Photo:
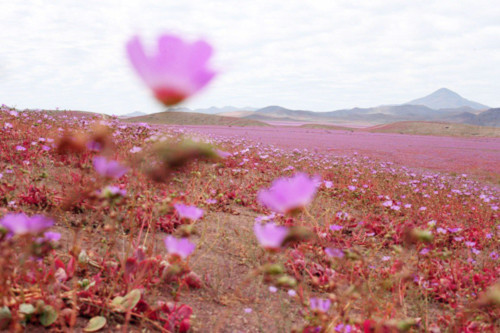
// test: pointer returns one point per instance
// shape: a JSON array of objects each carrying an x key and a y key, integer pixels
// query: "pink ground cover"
[{"x": 476, "y": 155}]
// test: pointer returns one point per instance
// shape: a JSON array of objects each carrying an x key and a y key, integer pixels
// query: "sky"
[{"x": 309, "y": 55}]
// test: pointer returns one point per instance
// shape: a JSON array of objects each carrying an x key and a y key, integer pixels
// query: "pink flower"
[
  {"x": 192, "y": 213},
  {"x": 270, "y": 235},
  {"x": 111, "y": 169},
  {"x": 319, "y": 304},
  {"x": 287, "y": 194},
  {"x": 336, "y": 227},
  {"x": 335, "y": 253},
  {"x": 20, "y": 224},
  {"x": 176, "y": 70},
  {"x": 181, "y": 247}
]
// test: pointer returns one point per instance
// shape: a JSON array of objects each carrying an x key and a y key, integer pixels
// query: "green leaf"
[
  {"x": 127, "y": 302},
  {"x": 27, "y": 309},
  {"x": 95, "y": 324},
  {"x": 5, "y": 317},
  {"x": 48, "y": 316}
]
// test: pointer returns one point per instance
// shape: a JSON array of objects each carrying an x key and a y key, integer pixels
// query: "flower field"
[{"x": 110, "y": 226}]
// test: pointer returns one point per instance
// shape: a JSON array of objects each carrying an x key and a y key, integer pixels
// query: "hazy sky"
[{"x": 314, "y": 55}]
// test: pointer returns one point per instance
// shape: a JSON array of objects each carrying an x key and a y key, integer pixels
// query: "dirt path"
[{"x": 227, "y": 253}]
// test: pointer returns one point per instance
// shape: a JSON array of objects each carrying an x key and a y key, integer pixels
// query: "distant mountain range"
[
  {"x": 442, "y": 105},
  {"x": 133, "y": 114},
  {"x": 210, "y": 110}
]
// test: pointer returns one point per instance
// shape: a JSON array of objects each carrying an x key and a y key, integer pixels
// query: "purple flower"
[
  {"x": 49, "y": 236},
  {"x": 111, "y": 169},
  {"x": 424, "y": 251},
  {"x": 113, "y": 191},
  {"x": 223, "y": 154},
  {"x": 192, "y": 213},
  {"x": 336, "y": 227},
  {"x": 387, "y": 203},
  {"x": 328, "y": 184},
  {"x": 20, "y": 148},
  {"x": 319, "y": 304},
  {"x": 494, "y": 255},
  {"x": 287, "y": 194},
  {"x": 52, "y": 236},
  {"x": 135, "y": 149},
  {"x": 270, "y": 235},
  {"x": 441, "y": 230},
  {"x": 470, "y": 244},
  {"x": 177, "y": 70},
  {"x": 181, "y": 247},
  {"x": 20, "y": 224},
  {"x": 341, "y": 328},
  {"x": 336, "y": 253},
  {"x": 273, "y": 289}
]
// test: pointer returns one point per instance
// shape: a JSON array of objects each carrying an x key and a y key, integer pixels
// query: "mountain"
[
  {"x": 441, "y": 105},
  {"x": 225, "y": 109},
  {"x": 377, "y": 115},
  {"x": 133, "y": 114},
  {"x": 280, "y": 112},
  {"x": 446, "y": 99}
]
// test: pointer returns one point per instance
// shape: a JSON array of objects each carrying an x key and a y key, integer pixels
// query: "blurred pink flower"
[
  {"x": 111, "y": 169},
  {"x": 319, "y": 304},
  {"x": 181, "y": 247},
  {"x": 270, "y": 235},
  {"x": 177, "y": 69},
  {"x": 287, "y": 194},
  {"x": 20, "y": 224},
  {"x": 335, "y": 253},
  {"x": 335, "y": 227},
  {"x": 192, "y": 213}
]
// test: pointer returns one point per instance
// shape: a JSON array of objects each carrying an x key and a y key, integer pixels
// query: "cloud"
[{"x": 319, "y": 55}]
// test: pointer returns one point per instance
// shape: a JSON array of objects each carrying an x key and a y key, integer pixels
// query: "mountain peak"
[
  {"x": 444, "y": 90},
  {"x": 445, "y": 98}
]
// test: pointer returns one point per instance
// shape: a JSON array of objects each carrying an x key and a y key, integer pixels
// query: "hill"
[
  {"x": 328, "y": 127},
  {"x": 490, "y": 117},
  {"x": 191, "y": 118},
  {"x": 436, "y": 128}
]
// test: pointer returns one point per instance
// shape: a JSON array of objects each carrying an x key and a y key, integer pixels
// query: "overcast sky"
[{"x": 312, "y": 55}]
